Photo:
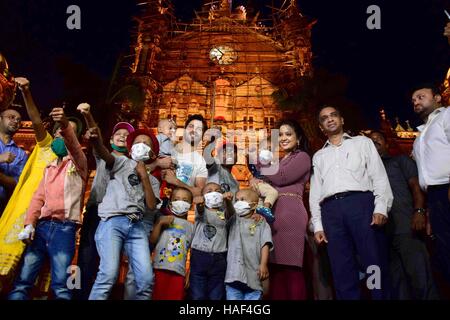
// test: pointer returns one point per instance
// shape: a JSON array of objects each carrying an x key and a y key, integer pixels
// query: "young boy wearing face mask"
[
  {"x": 144, "y": 147},
  {"x": 129, "y": 192},
  {"x": 54, "y": 213},
  {"x": 209, "y": 245},
  {"x": 249, "y": 243},
  {"x": 87, "y": 251},
  {"x": 172, "y": 235}
]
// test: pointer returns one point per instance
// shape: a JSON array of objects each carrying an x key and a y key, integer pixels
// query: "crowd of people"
[{"x": 369, "y": 211}]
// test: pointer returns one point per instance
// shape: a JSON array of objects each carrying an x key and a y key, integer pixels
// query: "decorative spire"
[
  {"x": 226, "y": 5},
  {"x": 408, "y": 126},
  {"x": 217, "y": 10},
  {"x": 240, "y": 13},
  {"x": 386, "y": 126},
  {"x": 399, "y": 127}
]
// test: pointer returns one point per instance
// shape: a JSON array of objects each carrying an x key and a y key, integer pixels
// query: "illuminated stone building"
[{"x": 225, "y": 65}]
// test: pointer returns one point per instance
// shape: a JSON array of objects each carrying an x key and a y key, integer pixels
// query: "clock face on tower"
[{"x": 223, "y": 54}]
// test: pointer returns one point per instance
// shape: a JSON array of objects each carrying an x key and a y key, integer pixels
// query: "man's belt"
[
  {"x": 341, "y": 195},
  {"x": 56, "y": 220},
  {"x": 438, "y": 187}
]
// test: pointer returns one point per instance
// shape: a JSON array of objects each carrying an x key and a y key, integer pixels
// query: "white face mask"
[
  {"x": 213, "y": 200},
  {"x": 265, "y": 157},
  {"x": 242, "y": 208},
  {"x": 180, "y": 207},
  {"x": 140, "y": 152}
]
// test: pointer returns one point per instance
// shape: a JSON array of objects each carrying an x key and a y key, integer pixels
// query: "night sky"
[{"x": 381, "y": 66}]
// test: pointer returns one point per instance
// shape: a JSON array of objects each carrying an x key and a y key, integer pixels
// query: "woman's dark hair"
[{"x": 303, "y": 144}]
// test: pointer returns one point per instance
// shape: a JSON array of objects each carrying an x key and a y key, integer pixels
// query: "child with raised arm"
[
  {"x": 209, "y": 246},
  {"x": 141, "y": 152},
  {"x": 249, "y": 242},
  {"x": 172, "y": 235},
  {"x": 54, "y": 213},
  {"x": 121, "y": 211},
  {"x": 88, "y": 258},
  {"x": 11, "y": 248}
]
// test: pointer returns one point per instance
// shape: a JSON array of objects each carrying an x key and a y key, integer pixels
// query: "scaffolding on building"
[{"x": 225, "y": 64}]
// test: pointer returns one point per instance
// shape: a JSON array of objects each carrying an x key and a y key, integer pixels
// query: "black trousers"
[
  {"x": 88, "y": 258},
  {"x": 439, "y": 207},
  {"x": 410, "y": 268}
]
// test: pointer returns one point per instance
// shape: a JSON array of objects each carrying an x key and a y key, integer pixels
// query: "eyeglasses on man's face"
[{"x": 11, "y": 117}]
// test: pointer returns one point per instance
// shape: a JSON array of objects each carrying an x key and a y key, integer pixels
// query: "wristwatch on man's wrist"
[{"x": 421, "y": 211}]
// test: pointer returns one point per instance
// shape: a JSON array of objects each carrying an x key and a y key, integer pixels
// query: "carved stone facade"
[{"x": 224, "y": 65}]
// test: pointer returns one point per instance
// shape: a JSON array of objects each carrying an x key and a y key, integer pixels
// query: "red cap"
[
  {"x": 123, "y": 125},
  {"x": 138, "y": 132}
]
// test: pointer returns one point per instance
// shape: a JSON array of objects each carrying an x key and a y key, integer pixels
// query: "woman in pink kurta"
[{"x": 289, "y": 229}]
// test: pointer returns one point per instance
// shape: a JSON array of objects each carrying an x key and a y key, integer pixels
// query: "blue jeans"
[
  {"x": 111, "y": 237},
  {"x": 206, "y": 281},
  {"x": 240, "y": 291},
  {"x": 130, "y": 283},
  {"x": 57, "y": 240}
]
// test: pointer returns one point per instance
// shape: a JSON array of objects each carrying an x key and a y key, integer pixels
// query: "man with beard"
[
  {"x": 350, "y": 195},
  {"x": 432, "y": 153},
  {"x": 12, "y": 158},
  {"x": 191, "y": 172},
  {"x": 410, "y": 268}
]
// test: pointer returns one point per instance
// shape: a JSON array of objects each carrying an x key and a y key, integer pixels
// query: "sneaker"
[{"x": 266, "y": 213}]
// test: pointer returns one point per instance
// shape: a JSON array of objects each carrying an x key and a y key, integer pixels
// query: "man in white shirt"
[
  {"x": 349, "y": 200},
  {"x": 191, "y": 172},
  {"x": 432, "y": 153}
]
